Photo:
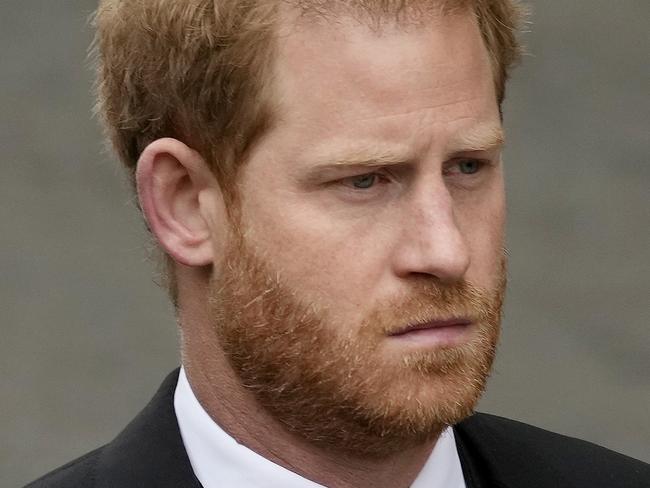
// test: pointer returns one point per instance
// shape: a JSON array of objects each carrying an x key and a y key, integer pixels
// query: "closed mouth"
[{"x": 433, "y": 324}]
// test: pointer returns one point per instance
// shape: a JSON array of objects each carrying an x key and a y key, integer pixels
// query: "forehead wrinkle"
[{"x": 425, "y": 110}]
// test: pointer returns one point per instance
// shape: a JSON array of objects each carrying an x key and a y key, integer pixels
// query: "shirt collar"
[{"x": 218, "y": 460}]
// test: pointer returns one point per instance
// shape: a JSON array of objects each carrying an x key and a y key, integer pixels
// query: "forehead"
[{"x": 340, "y": 78}]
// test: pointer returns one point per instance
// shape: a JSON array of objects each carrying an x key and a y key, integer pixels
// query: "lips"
[{"x": 433, "y": 324}]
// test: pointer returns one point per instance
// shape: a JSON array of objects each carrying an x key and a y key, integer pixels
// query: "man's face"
[{"x": 375, "y": 203}]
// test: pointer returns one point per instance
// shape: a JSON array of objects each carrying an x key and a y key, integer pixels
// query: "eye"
[
  {"x": 362, "y": 182},
  {"x": 465, "y": 167},
  {"x": 469, "y": 166}
]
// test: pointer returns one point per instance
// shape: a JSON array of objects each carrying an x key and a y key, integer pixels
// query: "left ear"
[{"x": 173, "y": 183}]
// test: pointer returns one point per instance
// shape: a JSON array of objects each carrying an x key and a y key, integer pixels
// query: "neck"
[{"x": 237, "y": 412}]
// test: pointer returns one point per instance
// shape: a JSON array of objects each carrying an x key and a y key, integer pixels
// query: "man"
[{"x": 325, "y": 180}]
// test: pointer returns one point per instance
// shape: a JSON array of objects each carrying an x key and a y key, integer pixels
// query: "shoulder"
[
  {"x": 516, "y": 451},
  {"x": 148, "y": 452},
  {"x": 77, "y": 473}
]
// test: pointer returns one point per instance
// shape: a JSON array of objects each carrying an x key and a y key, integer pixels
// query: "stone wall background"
[{"x": 87, "y": 336}]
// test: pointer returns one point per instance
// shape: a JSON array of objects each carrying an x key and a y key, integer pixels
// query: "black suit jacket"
[{"x": 494, "y": 453}]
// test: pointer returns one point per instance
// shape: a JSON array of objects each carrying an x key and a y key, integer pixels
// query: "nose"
[{"x": 431, "y": 242}]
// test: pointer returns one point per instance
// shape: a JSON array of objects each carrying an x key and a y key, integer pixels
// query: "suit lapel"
[
  {"x": 496, "y": 455},
  {"x": 476, "y": 467},
  {"x": 150, "y": 450}
]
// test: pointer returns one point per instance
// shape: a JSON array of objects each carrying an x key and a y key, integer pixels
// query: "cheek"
[
  {"x": 324, "y": 257},
  {"x": 482, "y": 224}
]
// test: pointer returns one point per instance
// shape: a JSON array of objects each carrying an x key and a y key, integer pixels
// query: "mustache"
[{"x": 431, "y": 301}]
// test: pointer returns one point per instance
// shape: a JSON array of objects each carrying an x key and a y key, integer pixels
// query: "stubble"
[{"x": 337, "y": 385}]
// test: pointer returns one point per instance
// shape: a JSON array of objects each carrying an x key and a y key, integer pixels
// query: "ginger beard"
[{"x": 338, "y": 385}]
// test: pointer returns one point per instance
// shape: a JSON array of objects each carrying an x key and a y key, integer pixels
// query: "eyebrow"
[
  {"x": 361, "y": 158},
  {"x": 365, "y": 157},
  {"x": 479, "y": 138}
]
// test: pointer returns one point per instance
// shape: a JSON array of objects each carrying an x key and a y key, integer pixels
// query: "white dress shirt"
[{"x": 219, "y": 461}]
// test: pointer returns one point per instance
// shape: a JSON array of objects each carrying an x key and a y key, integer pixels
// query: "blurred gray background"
[{"x": 87, "y": 336}]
